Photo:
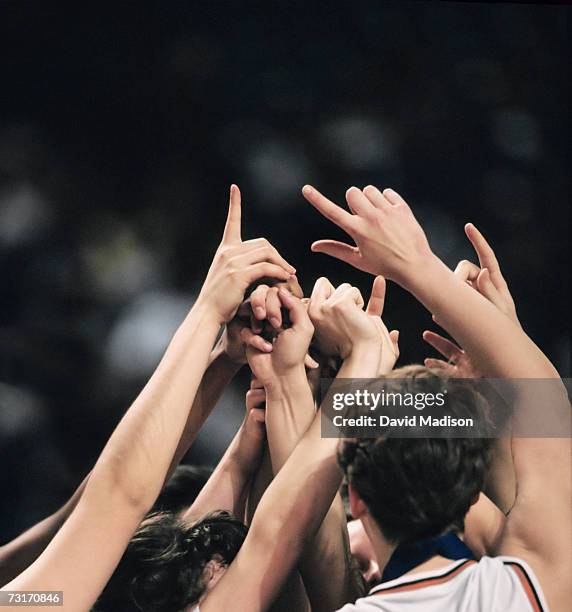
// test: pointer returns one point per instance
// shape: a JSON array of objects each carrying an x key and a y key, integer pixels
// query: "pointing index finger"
[
  {"x": 444, "y": 346},
  {"x": 330, "y": 210},
  {"x": 487, "y": 257},
  {"x": 232, "y": 228}
]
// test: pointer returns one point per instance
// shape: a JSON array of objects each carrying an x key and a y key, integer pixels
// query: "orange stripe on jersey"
[
  {"x": 526, "y": 585},
  {"x": 425, "y": 582}
]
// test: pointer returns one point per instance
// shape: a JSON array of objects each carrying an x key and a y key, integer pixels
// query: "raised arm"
[
  {"x": 228, "y": 485},
  {"x": 132, "y": 467},
  {"x": 294, "y": 505},
  {"x": 488, "y": 280},
  {"x": 289, "y": 404},
  {"x": 326, "y": 564},
  {"x": 390, "y": 241},
  {"x": 224, "y": 361}
]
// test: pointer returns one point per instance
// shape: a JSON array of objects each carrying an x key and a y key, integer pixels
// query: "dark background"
[{"x": 122, "y": 126}]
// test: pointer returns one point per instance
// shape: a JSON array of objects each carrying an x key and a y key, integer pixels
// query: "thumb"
[
  {"x": 486, "y": 287},
  {"x": 394, "y": 337},
  {"x": 339, "y": 250}
]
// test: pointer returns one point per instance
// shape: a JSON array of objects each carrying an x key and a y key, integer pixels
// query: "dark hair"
[
  {"x": 182, "y": 488},
  {"x": 419, "y": 487},
  {"x": 162, "y": 567}
]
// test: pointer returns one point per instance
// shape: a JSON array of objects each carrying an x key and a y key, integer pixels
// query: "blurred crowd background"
[{"x": 123, "y": 125}]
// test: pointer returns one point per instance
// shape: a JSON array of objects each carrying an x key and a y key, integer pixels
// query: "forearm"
[
  {"x": 289, "y": 413},
  {"x": 289, "y": 513},
  {"x": 500, "y": 348},
  {"x": 262, "y": 479},
  {"x": 219, "y": 373},
  {"x": 292, "y": 595},
  {"x": 17, "y": 555},
  {"x": 226, "y": 488},
  {"x": 298, "y": 498},
  {"x": 135, "y": 461},
  {"x": 325, "y": 564}
]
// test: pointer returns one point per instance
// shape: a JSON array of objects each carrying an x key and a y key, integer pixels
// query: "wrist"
[
  {"x": 284, "y": 382},
  {"x": 415, "y": 271},
  {"x": 363, "y": 361},
  {"x": 209, "y": 306},
  {"x": 199, "y": 316}
]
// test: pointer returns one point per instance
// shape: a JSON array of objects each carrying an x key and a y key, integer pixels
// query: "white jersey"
[{"x": 494, "y": 584}]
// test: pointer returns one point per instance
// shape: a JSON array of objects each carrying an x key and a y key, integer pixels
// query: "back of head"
[
  {"x": 181, "y": 490},
  {"x": 419, "y": 487},
  {"x": 163, "y": 566}
]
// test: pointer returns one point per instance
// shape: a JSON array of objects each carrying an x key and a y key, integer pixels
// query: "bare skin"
[
  {"x": 389, "y": 241},
  {"x": 133, "y": 465}
]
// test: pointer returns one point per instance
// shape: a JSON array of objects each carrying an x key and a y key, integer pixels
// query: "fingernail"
[
  {"x": 307, "y": 190},
  {"x": 274, "y": 322},
  {"x": 268, "y": 347},
  {"x": 259, "y": 312}
]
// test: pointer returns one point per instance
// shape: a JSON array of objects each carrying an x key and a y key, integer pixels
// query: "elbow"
[{"x": 117, "y": 493}]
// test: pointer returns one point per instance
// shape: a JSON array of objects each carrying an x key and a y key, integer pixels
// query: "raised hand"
[
  {"x": 342, "y": 326},
  {"x": 487, "y": 278},
  {"x": 490, "y": 283},
  {"x": 237, "y": 265},
  {"x": 389, "y": 240},
  {"x": 266, "y": 306},
  {"x": 262, "y": 304},
  {"x": 271, "y": 362}
]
